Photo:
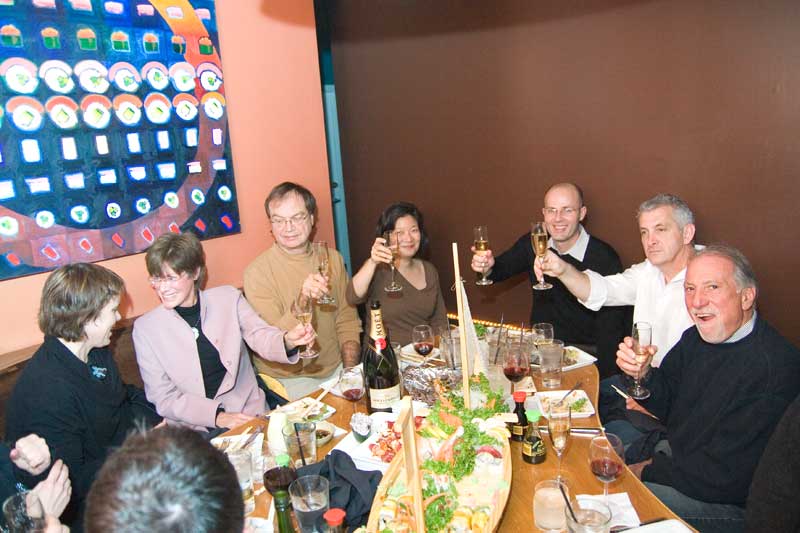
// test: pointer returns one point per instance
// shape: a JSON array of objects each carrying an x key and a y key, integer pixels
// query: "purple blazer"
[{"x": 166, "y": 351}]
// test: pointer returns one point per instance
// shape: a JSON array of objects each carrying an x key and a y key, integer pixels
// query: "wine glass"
[
  {"x": 642, "y": 339},
  {"x": 422, "y": 337},
  {"x": 605, "y": 460},
  {"x": 323, "y": 266},
  {"x": 559, "y": 422},
  {"x": 516, "y": 363},
  {"x": 392, "y": 242},
  {"x": 481, "y": 247},
  {"x": 539, "y": 243},
  {"x": 303, "y": 311},
  {"x": 351, "y": 383}
]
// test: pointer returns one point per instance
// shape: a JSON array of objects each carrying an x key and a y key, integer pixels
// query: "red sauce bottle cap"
[
  {"x": 334, "y": 517},
  {"x": 520, "y": 395}
]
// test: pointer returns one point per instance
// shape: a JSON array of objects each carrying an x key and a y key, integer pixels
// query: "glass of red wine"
[
  {"x": 351, "y": 383},
  {"x": 422, "y": 337},
  {"x": 517, "y": 363},
  {"x": 605, "y": 460}
]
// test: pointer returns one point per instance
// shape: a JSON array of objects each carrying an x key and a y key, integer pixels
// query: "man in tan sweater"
[{"x": 277, "y": 276}]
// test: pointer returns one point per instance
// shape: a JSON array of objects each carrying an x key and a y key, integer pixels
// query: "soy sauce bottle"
[
  {"x": 518, "y": 427},
  {"x": 534, "y": 450},
  {"x": 335, "y": 519}
]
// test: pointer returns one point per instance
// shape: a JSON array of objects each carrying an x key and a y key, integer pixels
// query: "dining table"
[{"x": 518, "y": 515}]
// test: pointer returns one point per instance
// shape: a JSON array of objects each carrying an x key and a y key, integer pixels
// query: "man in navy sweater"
[
  {"x": 721, "y": 391},
  {"x": 598, "y": 331}
]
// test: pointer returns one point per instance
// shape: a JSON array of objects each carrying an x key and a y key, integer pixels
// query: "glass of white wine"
[
  {"x": 323, "y": 267},
  {"x": 393, "y": 243},
  {"x": 481, "y": 247},
  {"x": 539, "y": 239},
  {"x": 642, "y": 339},
  {"x": 303, "y": 311},
  {"x": 559, "y": 422}
]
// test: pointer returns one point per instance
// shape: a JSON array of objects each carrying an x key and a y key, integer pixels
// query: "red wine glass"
[
  {"x": 422, "y": 337},
  {"x": 517, "y": 363},
  {"x": 351, "y": 383},
  {"x": 605, "y": 460}
]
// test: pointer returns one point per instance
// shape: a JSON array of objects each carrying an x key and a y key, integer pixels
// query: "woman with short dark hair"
[
  {"x": 70, "y": 392},
  {"x": 420, "y": 301},
  {"x": 191, "y": 349}
]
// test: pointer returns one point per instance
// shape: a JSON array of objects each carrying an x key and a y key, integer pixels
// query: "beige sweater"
[{"x": 272, "y": 282}]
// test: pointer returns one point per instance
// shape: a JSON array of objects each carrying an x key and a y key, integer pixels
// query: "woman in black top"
[{"x": 70, "y": 392}]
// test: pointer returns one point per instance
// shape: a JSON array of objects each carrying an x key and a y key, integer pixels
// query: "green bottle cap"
[
  {"x": 533, "y": 415},
  {"x": 283, "y": 460}
]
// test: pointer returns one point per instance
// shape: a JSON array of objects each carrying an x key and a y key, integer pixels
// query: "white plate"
[
  {"x": 556, "y": 395},
  {"x": 665, "y": 526},
  {"x": 297, "y": 407},
  {"x": 584, "y": 359},
  {"x": 359, "y": 451}
]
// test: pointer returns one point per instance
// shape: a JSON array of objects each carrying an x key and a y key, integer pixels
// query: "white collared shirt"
[
  {"x": 745, "y": 330},
  {"x": 653, "y": 299},
  {"x": 577, "y": 250}
]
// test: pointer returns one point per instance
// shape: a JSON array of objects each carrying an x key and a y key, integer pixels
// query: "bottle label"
[
  {"x": 516, "y": 429},
  {"x": 384, "y": 398},
  {"x": 527, "y": 449}
]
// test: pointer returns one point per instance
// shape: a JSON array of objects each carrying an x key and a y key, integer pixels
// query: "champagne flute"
[
  {"x": 303, "y": 311},
  {"x": 642, "y": 339},
  {"x": 559, "y": 422},
  {"x": 351, "y": 383},
  {"x": 392, "y": 242},
  {"x": 605, "y": 460},
  {"x": 539, "y": 243},
  {"x": 481, "y": 247},
  {"x": 323, "y": 265},
  {"x": 422, "y": 338}
]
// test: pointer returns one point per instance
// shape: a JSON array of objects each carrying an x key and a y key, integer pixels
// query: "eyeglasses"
[
  {"x": 296, "y": 220},
  {"x": 156, "y": 281},
  {"x": 566, "y": 211}
]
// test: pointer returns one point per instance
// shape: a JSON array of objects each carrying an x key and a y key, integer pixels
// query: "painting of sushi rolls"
[
  {"x": 150, "y": 43},
  {"x": 63, "y": 111},
  {"x": 178, "y": 44},
  {"x": 26, "y": 113},
  {"x": 19, "y": 75},
  {"x": 57, "y": 75},
  {"x": 120, "y": 42},
  {"x": 206, "y": 46}
]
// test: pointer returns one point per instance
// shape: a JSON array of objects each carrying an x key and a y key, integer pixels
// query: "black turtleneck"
[{"x": 210, "y": 364}]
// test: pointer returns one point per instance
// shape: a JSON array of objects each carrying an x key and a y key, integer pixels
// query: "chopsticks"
[
  {"x": 626, "y": 396},
  {"x": 317, "y": 401},
  {"x": 574, "y": 387},
  {"x": 575, "y": 431},
  {"x": 499, "y": 335}
]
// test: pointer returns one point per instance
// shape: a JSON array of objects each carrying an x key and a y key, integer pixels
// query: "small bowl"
[
  {"x": 325, "y": 432},
  {"x": 358, "y": 428}
]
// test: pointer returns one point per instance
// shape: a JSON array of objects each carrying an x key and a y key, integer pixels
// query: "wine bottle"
[{"x": 380, "y": 365}]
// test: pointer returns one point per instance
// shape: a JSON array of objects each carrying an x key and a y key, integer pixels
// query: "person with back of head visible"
[
  {"x": 597, "y": 330},
  {"x": 720, "y": 391},
  {"x": 285, "y": 270},
  {"x": 167, "y": 480}
]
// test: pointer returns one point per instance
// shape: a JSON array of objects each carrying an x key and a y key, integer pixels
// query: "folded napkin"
[
  {"x": 350, "y": 489},
  {"x": 623, "y": 513},
  {"x": 335, "y": 390}
]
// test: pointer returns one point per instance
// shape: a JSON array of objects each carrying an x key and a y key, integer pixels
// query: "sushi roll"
[
  {"x": 150, "y": 43},
  {"x": 388, "y": 512},
  {"x": 50, "y": 38},
  {"x": 81, "y": 5},
  {"x": 480, "y": 520},
  {"x": 178, "y": 44},
  {"x": 120, "y": 41},
  {"x": 87, "y": 39},
  {"x": 10, "y": 36},
  {"x": 206, "y": 47}
]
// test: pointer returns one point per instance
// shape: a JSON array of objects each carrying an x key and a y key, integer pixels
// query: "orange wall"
[{"x": 271, "y": 73}]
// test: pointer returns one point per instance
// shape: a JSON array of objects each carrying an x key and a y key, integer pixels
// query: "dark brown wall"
[{"x": 470, "y": 109}]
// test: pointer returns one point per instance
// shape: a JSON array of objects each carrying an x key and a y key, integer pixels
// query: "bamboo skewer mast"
[{"x": 462, "y": 334}]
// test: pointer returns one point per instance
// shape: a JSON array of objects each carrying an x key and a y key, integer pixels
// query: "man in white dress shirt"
[{"x": 655, "y": 286}]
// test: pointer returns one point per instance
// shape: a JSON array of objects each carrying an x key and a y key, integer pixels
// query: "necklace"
[{"x": 196, "y": 328}]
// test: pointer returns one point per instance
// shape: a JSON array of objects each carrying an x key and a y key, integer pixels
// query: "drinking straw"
[
  {"x": 499, "y": 334},
  {"x": 569, "y": 505},
  {"x": 299, "y": 444}
]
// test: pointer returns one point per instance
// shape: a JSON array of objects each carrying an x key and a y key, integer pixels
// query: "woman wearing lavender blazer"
[{"x": 191, "y": 349}]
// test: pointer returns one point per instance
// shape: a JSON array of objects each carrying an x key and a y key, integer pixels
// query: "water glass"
[
  {"x": 309, "y": 496},
  {"x": 24, "y": 513},
  {"x": 551, "y": 359},
  {"x": 592, "y": 517},
  {"x": 242, "y": 462},
  {"x": 301, "y": 443},
  {"x": 549, "y": 505}
]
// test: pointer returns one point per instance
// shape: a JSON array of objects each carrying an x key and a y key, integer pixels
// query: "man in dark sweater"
[
  {"x": 573, "y": 323},
  {"x": 721, "y": 392}
]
